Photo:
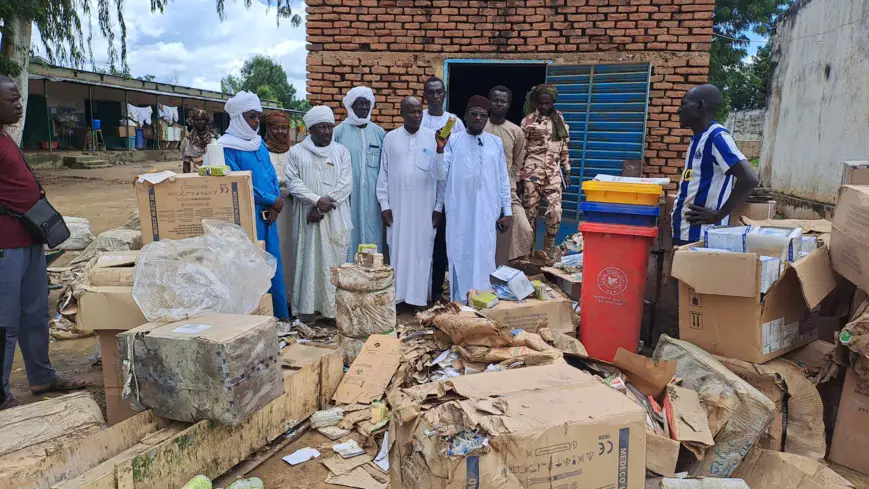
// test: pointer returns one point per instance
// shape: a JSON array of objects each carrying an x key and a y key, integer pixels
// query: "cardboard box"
[
  {"x": 849, "y": 244},
  {"x": 266, "y": 306},
  {"x": 662, "y": 453},
  {"x": 116, "y": 269},
  {"x": 515, "y": 280},
  {"x": 221, "y": 367},
  {"x": 757, "y": 211},
  {"x": 109, "y": 308},
  {"x": 721, "y": 309},
  {"x": 117, "y": 408},
  {"x": 175, "y": 207},
  {"x": 571, "y": 285},
  {"x": 851, "y": 435},
  {"x": 548, "y": 426},
  {"x": 529, "y": 313},
  {"x": 855, "y": 173}
]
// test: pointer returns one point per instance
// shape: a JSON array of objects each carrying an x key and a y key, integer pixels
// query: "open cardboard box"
[{"x": 722, "y": 311}]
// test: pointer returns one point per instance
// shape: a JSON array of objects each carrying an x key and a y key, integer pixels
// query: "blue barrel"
[
  {"x": 140, "y": 138},
  {"x": 625, "y": 214}
]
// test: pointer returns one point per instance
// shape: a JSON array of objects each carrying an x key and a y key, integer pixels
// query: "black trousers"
[{"x": 439, "y": 261}]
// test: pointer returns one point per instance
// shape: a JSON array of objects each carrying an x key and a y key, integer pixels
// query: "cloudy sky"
[{"x": 190, "y": 43}]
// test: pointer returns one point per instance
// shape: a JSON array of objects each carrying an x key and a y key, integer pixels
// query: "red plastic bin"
[{"x": 615, "y": 265}]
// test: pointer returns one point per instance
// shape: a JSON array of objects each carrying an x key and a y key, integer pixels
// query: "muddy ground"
[{"x": 106, "y": 198}]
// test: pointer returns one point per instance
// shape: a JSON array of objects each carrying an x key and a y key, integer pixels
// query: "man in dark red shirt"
[{"x": 23, "y": 275}]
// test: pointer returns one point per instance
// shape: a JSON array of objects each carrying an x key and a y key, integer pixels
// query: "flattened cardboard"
[
  {"x": 851, "y": 436},
  {"x": 687, "y": 418},
  {"x": 768, "y": 469},
  {"x": 109, "y": 308},
  {"x": 266, "y": 306},
  {"x": 529, "y": 313},
  {"x": 732, "y": 324},
  {"x": 773, "y": 387},
  {"x": 849, "y": 244},
  {"x": 371, "y": 372},
  {"x": 549, "y": 426},
  {"x": 571, "y": 285},
  {"x": 643, "y": 373},
  {"x": 175, "y": 208},
  {"x": 662, "y": 453}
]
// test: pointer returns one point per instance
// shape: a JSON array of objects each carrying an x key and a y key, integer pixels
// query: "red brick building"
[{"x": 621, "y": 66}]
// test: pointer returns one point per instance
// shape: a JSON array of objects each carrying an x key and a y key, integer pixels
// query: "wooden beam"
[{"x": 211, "y": 449}]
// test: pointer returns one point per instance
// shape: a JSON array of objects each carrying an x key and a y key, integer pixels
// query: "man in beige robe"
[{"x": 518, "y": 241}]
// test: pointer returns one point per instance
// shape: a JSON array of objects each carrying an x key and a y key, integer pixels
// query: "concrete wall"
[
  {"x": 746, "y": 126},
  {"x": 395, "y": 45},
  {"x": 818, "y": 112}
]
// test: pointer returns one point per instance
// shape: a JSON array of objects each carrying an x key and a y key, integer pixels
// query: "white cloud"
[{"x": 189, "y": 39}]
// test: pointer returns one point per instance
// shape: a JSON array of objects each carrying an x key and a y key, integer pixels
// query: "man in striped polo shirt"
[{"x": 707, "y": 192}]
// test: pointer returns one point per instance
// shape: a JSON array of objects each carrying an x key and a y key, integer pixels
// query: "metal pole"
[
  {"x": 127, "y": 123},
  {"x": 158, "y": 130},
  {"x": 48, "y": 115},
  {"x": 93, "y": 133}
]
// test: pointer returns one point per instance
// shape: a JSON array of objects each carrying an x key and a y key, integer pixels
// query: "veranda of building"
[{"x": 632, "y": 59}]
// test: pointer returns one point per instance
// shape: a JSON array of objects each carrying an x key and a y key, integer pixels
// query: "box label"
[
  {"x": 772, "y": 335},
  {"x": 191, "y": 328},
  {"x": 624, "y": 450}
]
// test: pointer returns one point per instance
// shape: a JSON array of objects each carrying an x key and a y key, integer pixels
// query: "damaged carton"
[
  {"x": 532, "y": 314},
  {"x": 364, "y": 300},
  {"x": 221, "y": 367},
  {"x": 172, "y": 206},
  {"x": 722, "y": 310},
  {"x": 768, "y": 469},
  {"x": 108, "y": 308},
  {"x": 515, "y": 281},
  {"x": 738, "y": 414},
  {"x": 850, "y": 445},
  {"x": 115, "y": 269},
  {"x": 539, "y": 426},
  {"x": 855, "y": 173},
  {"x": 849, "y": 244}
]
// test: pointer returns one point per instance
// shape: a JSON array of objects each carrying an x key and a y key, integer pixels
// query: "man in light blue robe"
[
  {"x": 244, "y": 149},
  {"x": 364, "y": 140}
]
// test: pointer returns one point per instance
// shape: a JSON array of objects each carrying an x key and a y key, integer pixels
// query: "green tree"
[
  {"x": 265, "y": 77},
  {"x": 63, "y": 38},
  {"x": 733, "y": 18},
  {"x": 749, "y": 82}
]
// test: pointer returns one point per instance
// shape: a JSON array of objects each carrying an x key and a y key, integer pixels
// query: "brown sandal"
[{"x": 59, "y": 384}]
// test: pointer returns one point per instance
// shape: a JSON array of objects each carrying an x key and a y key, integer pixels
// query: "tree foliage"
[
  {"x": 733, "y": 18},
  {"x": 265, "y": 77}
]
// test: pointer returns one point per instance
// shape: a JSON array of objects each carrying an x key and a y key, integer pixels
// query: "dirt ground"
[{"x": 106, "y": 198}]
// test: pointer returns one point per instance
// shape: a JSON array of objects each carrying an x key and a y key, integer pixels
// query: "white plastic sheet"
[
  {"x": 80, "y": 235},
  {"x": 220, "y": 272}
]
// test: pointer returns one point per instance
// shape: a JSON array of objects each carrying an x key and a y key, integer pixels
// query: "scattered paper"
[
  {"x": 348, "y": 449},
  {"x": 339, "y": 465},
  {"x": 371, "y": 372},
  {"x": 382, "y": 458},
  {"x": 301, "y": 455},
  {"x": 688, "y": 420},
  {"x": 155, "y": 178},
  {"x": 358, "y": 478},
  {"x": 333, "y": 432}
]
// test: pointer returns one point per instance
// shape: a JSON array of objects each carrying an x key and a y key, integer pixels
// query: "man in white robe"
[
  {"x": 475, "y": 195},
  {"x": 319, "y": 177},
  {"x": 410, "y": 168}
]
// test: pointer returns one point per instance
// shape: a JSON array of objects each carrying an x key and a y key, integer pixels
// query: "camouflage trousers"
[{"x": 534, "y": 192}]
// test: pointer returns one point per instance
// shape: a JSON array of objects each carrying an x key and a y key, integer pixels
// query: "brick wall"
[{"x": 394, "y": 45}]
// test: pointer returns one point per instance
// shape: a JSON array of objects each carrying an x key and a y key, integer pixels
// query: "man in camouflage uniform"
[{"x": 546, "y": 138}]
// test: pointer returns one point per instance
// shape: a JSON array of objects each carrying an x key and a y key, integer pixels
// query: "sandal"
[{"x": 59, "y": 383}]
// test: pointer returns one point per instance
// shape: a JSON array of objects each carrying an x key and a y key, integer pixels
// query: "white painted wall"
[
  {"x": 818, "y": 112},
  {"x": 746, "y": 125}
]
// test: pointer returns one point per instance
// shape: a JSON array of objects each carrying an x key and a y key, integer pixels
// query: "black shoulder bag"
[{"x": 42, "y": 221}]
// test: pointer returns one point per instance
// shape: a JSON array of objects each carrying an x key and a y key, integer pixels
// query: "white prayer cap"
[
  {"x": 354, "y": 94},
  {"x": 243, "y": 102},
  {"x": 318, "y": 115}
]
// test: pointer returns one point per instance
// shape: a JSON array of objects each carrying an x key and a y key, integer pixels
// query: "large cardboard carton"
[
  {"x": 116, "y": 269},
  {"x": 849, "y": 244},
  {"x": 221, "y": 367},
  {"x": 721, "y": 308},
  {"x": 549, "y": 426},
  {"x": 117, "y": 408},
  {"x": 850, "y": 445},
  {"x": 110, "y": 308},
  {"x": 855, "y": 173},
  {"x": 175, "y": 207},
  {"x": 758, "y": 211},
  {"x": 529, "y": 314}
]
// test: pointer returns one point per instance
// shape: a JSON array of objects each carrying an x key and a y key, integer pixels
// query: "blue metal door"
[{"x": 605, "y": 107}]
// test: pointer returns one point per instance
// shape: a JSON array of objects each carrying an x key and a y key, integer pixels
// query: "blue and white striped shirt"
[{"x": 705, "y": 179}]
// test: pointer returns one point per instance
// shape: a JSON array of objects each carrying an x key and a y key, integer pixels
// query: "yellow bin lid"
[{"x": 636, "y": 188}]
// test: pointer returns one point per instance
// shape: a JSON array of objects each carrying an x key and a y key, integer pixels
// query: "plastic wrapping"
[
  {"x": 118, "y": 239},
  {"x": 361, "y": 279},
  {"x": 350, "y": 347},
  {"x": 220, "y": 272},
  {"x": 80, "y": 235},
  {"x": 361, "y": 314}
]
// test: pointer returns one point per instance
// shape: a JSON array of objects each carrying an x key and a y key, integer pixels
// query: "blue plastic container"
[
  {"x": 625, "y": 214},
  {"x": 140, "y": 138},
  {"x": 98, "y": 124}
]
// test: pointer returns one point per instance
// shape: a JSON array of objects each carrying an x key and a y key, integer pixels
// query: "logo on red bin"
[{"x": 612, "y": 281}]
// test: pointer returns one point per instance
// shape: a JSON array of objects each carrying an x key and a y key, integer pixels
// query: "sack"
[{"x": 42, "y": 221}]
